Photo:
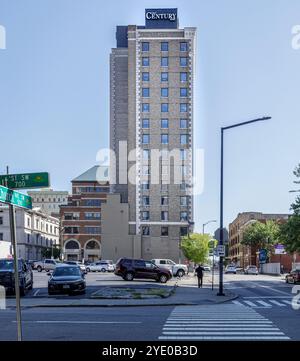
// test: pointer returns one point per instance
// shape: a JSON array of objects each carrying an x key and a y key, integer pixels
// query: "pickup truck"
[
  {"x": 7, "y": 275},
  {"x": 47, "y": 265},
  {"x": 177, "y": 270}
]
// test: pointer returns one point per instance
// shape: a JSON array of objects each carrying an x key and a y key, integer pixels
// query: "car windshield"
[
  {"x": 67, "y": 271},
  {"x": 8, "y": 264}
]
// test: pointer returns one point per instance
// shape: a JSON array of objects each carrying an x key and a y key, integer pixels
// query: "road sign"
[
  {"x": 26, "y": 180},
  {"x": 263, "y": 254},
  {"x": 279, "y": 249},
  {"x": 12, "y": 197},
  {"x": 221, "y": 250}
]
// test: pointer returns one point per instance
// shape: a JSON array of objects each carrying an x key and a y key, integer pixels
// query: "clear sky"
[{"x": 54, "y": 92}]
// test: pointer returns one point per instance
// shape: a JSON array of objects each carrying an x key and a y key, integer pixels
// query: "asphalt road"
[{"x": 262, "y": 311}]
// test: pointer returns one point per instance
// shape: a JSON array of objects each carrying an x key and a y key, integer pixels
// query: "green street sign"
[
  {"x": 18, "y": 199},
  {"x": 26, "y": 180}
]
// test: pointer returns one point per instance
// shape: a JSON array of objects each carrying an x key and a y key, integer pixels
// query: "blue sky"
[{"x": 54, "y": 92}]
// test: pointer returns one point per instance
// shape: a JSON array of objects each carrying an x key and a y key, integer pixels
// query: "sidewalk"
[{"x": 184, "y": 292}]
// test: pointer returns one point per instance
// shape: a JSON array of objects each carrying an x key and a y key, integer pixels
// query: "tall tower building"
[{"x": 151, "y": 112}]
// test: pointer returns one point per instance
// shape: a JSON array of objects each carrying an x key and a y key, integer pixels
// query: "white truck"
[
  {"x": 177, "y": 270},
  {"x": 46, "y": 264}
]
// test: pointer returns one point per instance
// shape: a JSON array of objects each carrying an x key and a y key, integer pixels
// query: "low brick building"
[{"x": 81, "y": 217}]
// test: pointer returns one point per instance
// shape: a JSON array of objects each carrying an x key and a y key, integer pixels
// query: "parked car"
[
  {"x": 79, "y": 264},
  {"x": 177, "y": 270},
  {"x": 129, "y": 269},
  {"x": 251, "y": 270},
  {"x": 32, "y": 263},
  {"x": 230, "y": 269},
  {"x": 207, "y": 268},
  {"x": 7, "y": 275},
  {"x": 100, "y": 266},
  {"x": 47, "y": 265},
  {"x": 293, "y": 276},
  {"x": 66, "y": 279}
]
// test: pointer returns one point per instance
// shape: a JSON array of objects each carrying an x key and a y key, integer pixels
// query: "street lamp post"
[
  {"x": 205, "y": 224},
  {"x": 221, "y": 243}
]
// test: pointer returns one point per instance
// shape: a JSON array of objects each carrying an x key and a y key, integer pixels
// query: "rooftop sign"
[{"x": 161, "y": 18}]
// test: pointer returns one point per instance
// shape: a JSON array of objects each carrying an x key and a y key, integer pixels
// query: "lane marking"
[
  {"x": 222, "y": 333},
  {"x": 277, "y": 303},
  {"x": 221, "y": 329},
  {"x": 80, "y": 322},
  {"x": 264, "y": 303},
  {"x": 36, "y": 293},
  {"x": 224, "y": 338},
  {"x": 237, "y": 303},
  {"x": 267, "y": 296},
  {"x": 249, "y": 303}
]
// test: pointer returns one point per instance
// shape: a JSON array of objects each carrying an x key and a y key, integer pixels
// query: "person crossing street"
[{"x": 199, "y": 271}]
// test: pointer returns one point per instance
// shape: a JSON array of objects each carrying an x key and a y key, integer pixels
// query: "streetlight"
[
  {"x": 221, "y": 243},
  {"x": 205, "y": 224}
]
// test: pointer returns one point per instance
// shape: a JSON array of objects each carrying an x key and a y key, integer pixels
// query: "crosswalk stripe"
[
  {"x": 277, "y": 303},
  {"x": 250, "y": 303},
  {"x": 289, "y": 302},
  {"x": 264, "y": 303},
  {"x": 237, "y": 303},
  {"x": 206, "y": 338}
]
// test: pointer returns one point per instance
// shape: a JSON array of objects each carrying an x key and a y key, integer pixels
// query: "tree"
[
  {"x": 261, "y": 235},
  {"x": 47, "y": 252},
  {"x": 195, "y": 247}
]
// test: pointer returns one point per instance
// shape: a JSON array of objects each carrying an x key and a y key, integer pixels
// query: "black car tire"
[
  {"x": 180, "y": 273},
  {"x": 39, "y": 268},
  {"x": 129, "y": 276},
  {"x": 46, "y": 270},
  {"x": 88, "y": 270},
  {"x": 103, "y": 270},
  {"x": 163, "y": 279}
]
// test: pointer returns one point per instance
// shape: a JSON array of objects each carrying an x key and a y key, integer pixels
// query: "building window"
[
  {"x": 164, "y": 61},
  {"x": 71, "y": 230},
  {"x": 145, "y": 216},
  {"x": 164, "y": 201},
  {"x": 145, "y": 76},
  {"x": 164, "y": 231},
  {"x": 92, "y": 215},
  {"x": 183, "y": 231},
  {"x": 145, "y": 61},
  {"x": 164, "y": 92},
  {"x": 145, "y": 123},
  {"x": 183, "y": 76},
  {"x": 183, "y": 107},
  {"x": 145, "y": 46},
  {"x": 93, "y": 230},
  {"x": 146, "y": 231},
  {"x": 1, "y": 236},
  {"x": 164, "y": 124},
  {"x": 71, "y": 216},
  {"x": 183, "y": 153},
  {"x": 183, "y": 61},
  {"x": 164, "y": 107},
  {"x": 183, "y": 123},
  {"x": 146, "y": 154},
  {"x": 183, "y": 201},
  {"x": 164, "y": 46},
  {"x": 164, "y": 187},
  {"x": 146, "y": 107},
  {"x": 183, "y": 92},
  {"x": 183, "y": 186},
  {"x": 92, "y": 202},
  {"x": 183, "y": 216},
  {"x": 146, "y": 201},
  {"x": 164, "y": 76},
  {"x": 164, "y": 215},
  {"x": 183, "y": 139},
  {"x": 145, "y": 185},
  {"x": 146, "y": 139},
  {"x": 164, "y": 139},
  {"x": 183, "y": 46},
  {"x": 146, "y": 92}
]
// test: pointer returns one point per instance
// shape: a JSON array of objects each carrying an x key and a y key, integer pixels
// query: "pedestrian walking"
[{"x": 199, "y": 272}]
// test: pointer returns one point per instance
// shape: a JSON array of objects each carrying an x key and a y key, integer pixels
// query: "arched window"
[
  {"x": 92, "y": 245},
  {"x": 72, "y": 245}
]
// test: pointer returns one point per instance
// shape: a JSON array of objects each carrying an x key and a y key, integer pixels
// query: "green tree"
[
  {"x": 195, "y": 247},
  {"x": 261, "y": 235},
  {"x": 47, "y": 252}
]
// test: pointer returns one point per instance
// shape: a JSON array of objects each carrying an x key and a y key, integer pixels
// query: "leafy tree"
[
  {"x": 261, "y": 235},
  {"x": 195, "y": 247},
  {"x": 47, "y": 252}
]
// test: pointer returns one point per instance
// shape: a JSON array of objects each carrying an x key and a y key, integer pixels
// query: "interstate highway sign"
[
  {"x": 18, "y": 199},
  {"x": 26, "y": 180}
]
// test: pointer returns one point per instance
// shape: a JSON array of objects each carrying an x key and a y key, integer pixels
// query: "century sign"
[
  {"x": 161, "y": 19},
  {"x": 159, "y": 15}
]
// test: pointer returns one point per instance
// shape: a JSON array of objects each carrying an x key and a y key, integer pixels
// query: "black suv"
[
  {"x": 7, "y": 275},
  {"x": 129, "y": 269}
]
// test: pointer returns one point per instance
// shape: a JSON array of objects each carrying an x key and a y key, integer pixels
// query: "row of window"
[
  {"x": 87, "y": 215},
  {"x": 165, "y": 172},
  {"x": 164, "y": 201},
  {"x": 79, "y": 190},
  {"x": 164, "y": 61},
  {"x": 164, "y": 231},
  {"x": 164, "y": 92},
  {"x": 184, "y": 138},
  {"x": 182, "y": 153},
  {"x": 164, "y": 46},
  {"x": 164, "y": 123},
  {"x": 48, "y": 199},
  {"x": 164, "y": 107},
  {"x": 164, "y": 76},
  {"x": 145, "y": 186},
  {"x": 87, "y": 230}
]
